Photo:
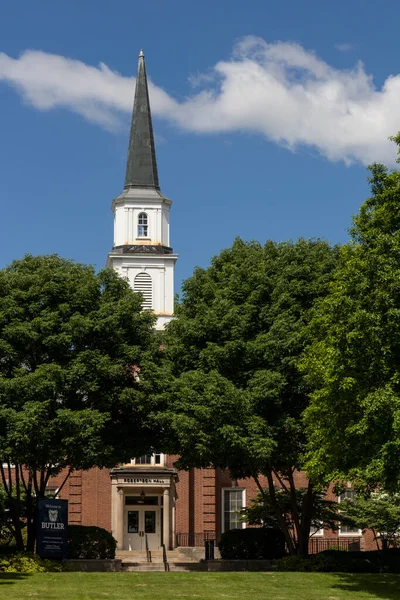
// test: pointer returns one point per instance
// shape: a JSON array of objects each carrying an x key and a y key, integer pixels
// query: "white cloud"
[
  {"x": 346, "y": 47},
  {"x": 279, "y": 90}
]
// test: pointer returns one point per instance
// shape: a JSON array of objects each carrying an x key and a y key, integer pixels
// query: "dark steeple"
[{"x": 141, "y": 168}]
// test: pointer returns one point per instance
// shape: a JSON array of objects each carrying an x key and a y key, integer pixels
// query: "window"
[
  {"x": 347, "y": 529},
  {"x": 149, "y": 459},
  {"x": 317, "y": 531},
  {"x": 143, "y": 225},
  {"x": 51, "y": 492},
  {"x": 143, "y": 284},
  {"x": 143, "y": 460},
  {"x": 232, "y": 503}
]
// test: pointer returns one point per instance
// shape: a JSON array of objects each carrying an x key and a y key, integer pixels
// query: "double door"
[{"x": 139, "y": 523}]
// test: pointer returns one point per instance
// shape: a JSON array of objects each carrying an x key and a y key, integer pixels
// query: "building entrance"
[{"x": 142, "y": 521}]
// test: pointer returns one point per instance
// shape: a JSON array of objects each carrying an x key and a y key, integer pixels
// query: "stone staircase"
[{"x": 176, "y": 561}]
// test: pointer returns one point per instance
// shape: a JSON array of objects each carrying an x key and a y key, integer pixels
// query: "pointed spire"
[{"x": 141, "y": 168}]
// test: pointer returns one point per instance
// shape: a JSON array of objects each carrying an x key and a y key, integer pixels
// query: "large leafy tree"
[
  {"x": 237, "y": 397},
  {"x": 78, "y": 370},
  {"x": 354, "y": 362}
]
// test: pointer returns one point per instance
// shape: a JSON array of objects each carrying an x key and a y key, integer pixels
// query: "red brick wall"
[{"x": 198, "y": 500}]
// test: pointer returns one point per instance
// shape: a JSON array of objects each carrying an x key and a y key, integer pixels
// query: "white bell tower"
[{"x": 141, "y": 250}]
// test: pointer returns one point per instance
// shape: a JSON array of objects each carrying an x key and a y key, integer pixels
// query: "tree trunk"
[
  {"x": 281, "y": 519},
  {"x": 16, "y": 521},
  {"x": 31, "y": 522},
  {"x": 14, "y": 502},
  {"x": 39, "y": 481},
  {"x": 306, "y": 515},
  {"x": 296, "y": 514}
]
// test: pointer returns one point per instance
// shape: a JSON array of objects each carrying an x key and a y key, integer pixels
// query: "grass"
[{"x": 201, "y": 586}]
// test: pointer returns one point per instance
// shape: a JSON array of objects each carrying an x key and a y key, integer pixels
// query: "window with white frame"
[
  {"x": 143, "y": 225},
  {"x": 316, "y": 531},
  {"x": 233, "y": 501},
  {"x": 150, "y": 460},
  {"x": 348, "y": 494}
]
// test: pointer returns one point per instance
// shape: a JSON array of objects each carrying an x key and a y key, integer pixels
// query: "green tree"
[
  {"x": 378, "y": 511},
  {"x": 78, "y": 371},
  {"x": 354, "y": 361},
  {"x": 237, "y": 397},
  {"x": 261, "y": 512}
]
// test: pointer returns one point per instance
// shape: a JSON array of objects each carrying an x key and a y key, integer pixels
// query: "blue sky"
[{"x": 265, "y": 115}]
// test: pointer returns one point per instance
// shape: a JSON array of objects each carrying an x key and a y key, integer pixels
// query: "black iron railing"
[
  {"x": 195, "y": 539},
  {"x": 165, "y": 560},
  {"x": 148, "y": 552},
  {"x": 316, "y": 544}
]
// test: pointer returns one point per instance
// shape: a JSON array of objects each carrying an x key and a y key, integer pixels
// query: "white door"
[{"x": 142, "y": 522}]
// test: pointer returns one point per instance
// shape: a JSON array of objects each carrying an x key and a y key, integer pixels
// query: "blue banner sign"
[{"x": 52, "y": 528}]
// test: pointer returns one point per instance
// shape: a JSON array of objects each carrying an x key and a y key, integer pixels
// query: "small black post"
[
  {"x": 207, "y": 549},
  {"x": 211, "y": 550}
]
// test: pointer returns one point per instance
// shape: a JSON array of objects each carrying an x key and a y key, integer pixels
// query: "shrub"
[
  {"x": 28, "y": 563},
  {"x": 8, "y": 549},
  {"x": 343, "y": 562},
  {"x": 90, "y": 542},
  {"x": 293, "y": 563},
  {"x": 252, "y": 543}
]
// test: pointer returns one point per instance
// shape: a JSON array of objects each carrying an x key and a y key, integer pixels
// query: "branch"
[
  {"x": 35, "y": 482},
  {"x": 9, "y": 476},
  {"x": 65, "y": 480},
  {"x": 47, "y": 477},
  {"x": 23, "y": 478},
  {"x": 17, "y": 484},
  {"x": 293, "y": 497},
  {"x": 262, "y": 491},
  {"x": 42, "y": 483},
  {"x": 4, "y": 480},
  {"x": 281, "y": 481}
]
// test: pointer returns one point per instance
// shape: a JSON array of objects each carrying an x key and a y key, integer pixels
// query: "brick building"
[{"x": 148, "y": 496}]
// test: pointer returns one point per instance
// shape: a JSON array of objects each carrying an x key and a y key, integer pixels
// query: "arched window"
[
  {"x": 144, "y": 285},
  {"x": 143, "y": 225}
]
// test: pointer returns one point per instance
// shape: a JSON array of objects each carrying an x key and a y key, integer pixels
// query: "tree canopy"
[
  {"x": 354, "y": 362},
  {"x": 78, "y": 372},
  {"x": 237, "y": 397}
]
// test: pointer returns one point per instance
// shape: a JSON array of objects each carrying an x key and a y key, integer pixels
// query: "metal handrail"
[
  {"x": 148, "y": 552},
  {"x": 165, "y": 560}
]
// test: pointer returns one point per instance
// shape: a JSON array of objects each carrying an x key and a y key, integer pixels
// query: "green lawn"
[{"x": 202, "y": 586}]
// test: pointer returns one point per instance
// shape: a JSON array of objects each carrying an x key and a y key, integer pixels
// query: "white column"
[
  {"x": 173, "y": 511},
  {"x": 126, "y": 226},
  {"x": 166, "y": 520},
  {"x": 119, "y": 532}
]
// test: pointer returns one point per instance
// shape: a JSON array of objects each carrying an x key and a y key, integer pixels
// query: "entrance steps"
[{"x": 137, "y": 561}]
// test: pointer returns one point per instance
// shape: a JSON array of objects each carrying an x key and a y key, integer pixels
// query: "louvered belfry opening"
[{"x": 144, "y": 285}]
